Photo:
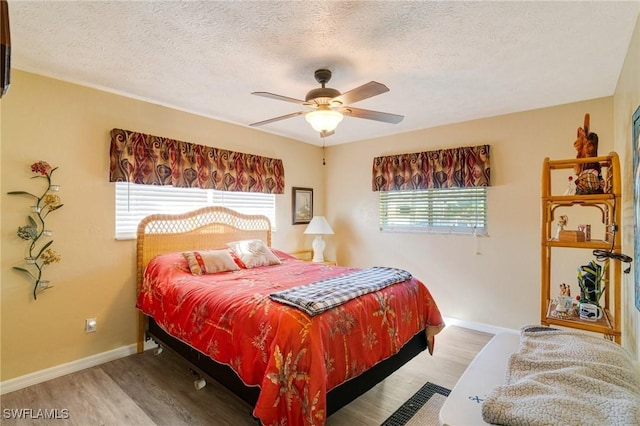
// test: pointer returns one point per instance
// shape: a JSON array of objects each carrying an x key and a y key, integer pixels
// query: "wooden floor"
[{"x": 146, "y": 389}]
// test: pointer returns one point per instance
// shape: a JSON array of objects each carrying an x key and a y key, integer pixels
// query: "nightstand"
[{"x": 307, "y": 256}]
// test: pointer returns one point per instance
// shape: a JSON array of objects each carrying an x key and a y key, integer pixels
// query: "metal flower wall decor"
[{"x": 40, "y": 253}]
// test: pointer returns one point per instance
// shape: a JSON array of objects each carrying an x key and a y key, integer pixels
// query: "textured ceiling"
[{"x": 443, "y": 62}]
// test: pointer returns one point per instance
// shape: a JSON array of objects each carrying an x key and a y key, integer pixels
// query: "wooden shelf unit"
[{"x": 610, "y": 205}]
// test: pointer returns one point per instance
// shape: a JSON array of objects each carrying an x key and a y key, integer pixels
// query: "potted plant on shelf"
[{"x": 592, "y": 279}]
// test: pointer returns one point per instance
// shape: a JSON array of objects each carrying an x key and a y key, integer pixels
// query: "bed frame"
[{"x": 211, "y": 228}]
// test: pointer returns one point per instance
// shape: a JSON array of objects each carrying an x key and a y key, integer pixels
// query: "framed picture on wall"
[
  {"x": 302, "y": 205},
  {"x": 635, "y": 153}
]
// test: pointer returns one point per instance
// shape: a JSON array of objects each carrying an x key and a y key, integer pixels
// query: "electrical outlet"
[{"x": 90, "y": 325}]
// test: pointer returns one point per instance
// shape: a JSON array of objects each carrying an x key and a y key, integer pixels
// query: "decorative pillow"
[
  {"x": 210, "y": 261},
  {"x": 253, "y": 253}
]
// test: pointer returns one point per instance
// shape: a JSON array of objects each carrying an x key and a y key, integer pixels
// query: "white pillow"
[
  {"x": 210, "y": 261},
  {"x": 253, "y": 253}
]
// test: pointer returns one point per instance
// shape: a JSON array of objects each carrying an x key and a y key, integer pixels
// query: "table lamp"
[{"x": 318, "y": 227}]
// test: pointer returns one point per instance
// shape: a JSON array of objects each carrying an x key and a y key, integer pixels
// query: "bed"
[
  {"x": 291, "y": 366},
  {"x": 544, "y": 376}
]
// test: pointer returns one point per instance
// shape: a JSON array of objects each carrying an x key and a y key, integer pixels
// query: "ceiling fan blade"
[
  {"x": 365, "y": 91},
  {"x": 282, "y": 117},
  {"x": 371, "y": 115},
  {"x": 324, "y": 133},
  {"x": 278, "y": 97}
]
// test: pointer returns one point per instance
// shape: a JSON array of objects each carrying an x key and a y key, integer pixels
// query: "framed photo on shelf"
[
  {"x": 301, "y": 205},
  {"x": 635, "y": 153}
]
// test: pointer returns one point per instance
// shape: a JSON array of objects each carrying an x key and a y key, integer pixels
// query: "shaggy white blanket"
[{"x": 566, "y": 377}]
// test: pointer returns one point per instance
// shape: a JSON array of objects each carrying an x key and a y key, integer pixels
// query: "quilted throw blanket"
[
  {"x": 566, "y": 377},
  {"x": 325, "y": 294}
]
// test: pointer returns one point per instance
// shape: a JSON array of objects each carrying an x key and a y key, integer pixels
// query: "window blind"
[
  {"x": 451, "y": 210},
  {"x": 134, "y": 202}
]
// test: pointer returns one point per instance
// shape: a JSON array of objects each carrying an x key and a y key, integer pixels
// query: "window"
[
  {"x": 451, "y": 210},
  {"x": 134, "y": 202}
]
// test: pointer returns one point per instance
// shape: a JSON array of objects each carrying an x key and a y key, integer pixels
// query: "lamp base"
[{"x": 318, "y": 249}]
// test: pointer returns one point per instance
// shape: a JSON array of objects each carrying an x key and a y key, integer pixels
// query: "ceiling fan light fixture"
[
  {"x": 329, "y": 106},
  {"x": 324, "y": 119}
]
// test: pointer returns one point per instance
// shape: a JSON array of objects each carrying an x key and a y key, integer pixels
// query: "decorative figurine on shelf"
[
  {"x": 571, "y": 187},
  {"x": 564, "y": 302},
  {"x": 562, "y": 222},
  {"x": 589, "y": 180},
  {"x": 34, "y": 231}
]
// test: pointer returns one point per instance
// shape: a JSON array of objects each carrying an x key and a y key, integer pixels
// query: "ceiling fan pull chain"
[{"x": 323, "y": 162}]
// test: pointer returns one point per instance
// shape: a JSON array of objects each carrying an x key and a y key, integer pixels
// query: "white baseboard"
[
  {"x": 487, "y": 328},
  {"x": 67, "y": 368}
]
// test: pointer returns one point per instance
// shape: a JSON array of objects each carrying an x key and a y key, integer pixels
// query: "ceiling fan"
[{"x": 329, "y": 106}]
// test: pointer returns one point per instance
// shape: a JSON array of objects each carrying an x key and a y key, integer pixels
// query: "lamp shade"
[
  {"x": 324, "y": 120},
  {"x": 318, "y": 226}
]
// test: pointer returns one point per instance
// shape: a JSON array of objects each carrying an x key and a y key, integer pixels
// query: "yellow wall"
[
  {"x": 68, "y": 126},
  {"x": 1, "y": 198},
  {"x": 626, "y": 101},
  {"x": 501, "y": 285}
]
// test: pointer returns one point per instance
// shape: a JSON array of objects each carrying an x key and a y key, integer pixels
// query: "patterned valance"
[
  {"x": 446, "y": 168},
  {"x": 153, "y": 160}
]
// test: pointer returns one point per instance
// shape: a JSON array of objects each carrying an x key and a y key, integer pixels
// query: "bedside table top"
[{"x": 307, "y": 256}]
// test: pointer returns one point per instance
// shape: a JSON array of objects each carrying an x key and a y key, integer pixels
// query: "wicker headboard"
[{"x": 205, "y": 228}]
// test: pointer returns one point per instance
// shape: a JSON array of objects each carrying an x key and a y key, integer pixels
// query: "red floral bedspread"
[{"x": 295, "y": 359}]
